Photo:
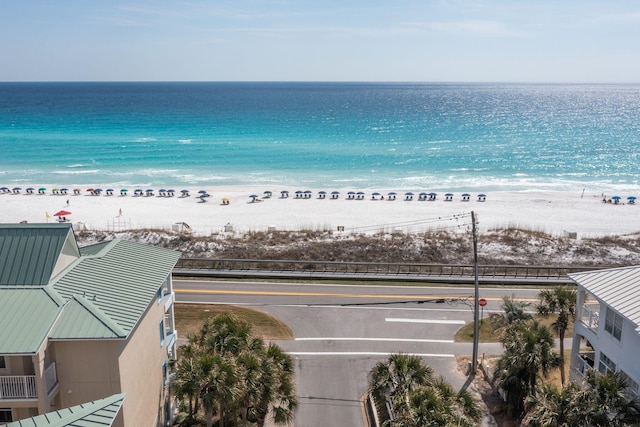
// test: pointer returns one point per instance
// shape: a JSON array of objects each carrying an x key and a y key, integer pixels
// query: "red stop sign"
[{"x": 482, "y": 302}]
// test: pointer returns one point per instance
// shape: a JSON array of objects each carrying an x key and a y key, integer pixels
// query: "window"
[
  {"x": 5, "y": 415},
  {"x": 606, "y": 365},
  {"x": 633, "y": 390},
  {"x": 162, "y": 332},
  {"x": 160, "y": 295},
  {"x": 613, "y": 324},
  {"x": 3, "y": 363}
]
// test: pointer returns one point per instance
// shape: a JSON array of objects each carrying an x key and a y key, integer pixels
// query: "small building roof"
[
  {"x": 99, "y": 413},
  {"x": 618, "y": 288},
  {"x": 29, "y": 252}
]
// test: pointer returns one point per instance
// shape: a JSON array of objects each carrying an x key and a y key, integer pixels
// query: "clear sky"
[{"x": 321, "y": 40}]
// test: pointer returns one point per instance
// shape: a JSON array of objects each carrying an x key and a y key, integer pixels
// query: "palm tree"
[
  {"x": 515, "y": 311},
  {"x": 528, "y": 355},
  {"x": 604, "y": 401},
  {"x": 188, "y": 383},
  {"x": 221, "y": 387},
  {"x": 440, "y": 405},
  {"x": 553, "y": 407},
  {"x": 224, "y": 334},
  {"x": 277, "y": 390},
  {"x": 229, "y": 372},
  {"x": 562, "y": 301},
  {"x": 395, "y": 379}
]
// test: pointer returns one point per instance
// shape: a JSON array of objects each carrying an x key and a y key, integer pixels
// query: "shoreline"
[{"x": 553, "y": 212}]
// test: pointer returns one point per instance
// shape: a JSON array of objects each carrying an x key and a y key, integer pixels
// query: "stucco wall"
[{"x": 141, "y": 370}]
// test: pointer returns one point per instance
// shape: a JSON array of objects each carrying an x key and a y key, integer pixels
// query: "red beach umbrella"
[{"x": 62, "y": 213}]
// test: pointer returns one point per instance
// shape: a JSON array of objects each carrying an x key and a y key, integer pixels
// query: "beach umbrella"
[
  {"x": 267, "y": 193},
  {"x": 408, "y": 193},
  {"x": 184, "y": 191},
  {"x": 376, "y": 194},
  {"x": 123, "y": 190},
  {"x": 322, "y": 192},
  {"x": 628, "y": 198},
  {"x": 616, "y": 198},
  {"x": 30, "y": 189},
  {"x": 42, "y": 190},
  {"x": 4, "y": 189},
  {"x": 89, "y": 190},
  {"x": 335, "y": 192},
  {"x": 254, "y": 196},
  {"x": 62, "y": 213}
]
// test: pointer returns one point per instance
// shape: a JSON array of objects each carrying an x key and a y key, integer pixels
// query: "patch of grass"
[
  {"x": 490, "y": 332},
  {"x": 190, "y": 317}
]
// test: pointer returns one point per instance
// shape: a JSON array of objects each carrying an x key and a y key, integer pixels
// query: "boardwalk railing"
[{"x": 373, "y": 270}]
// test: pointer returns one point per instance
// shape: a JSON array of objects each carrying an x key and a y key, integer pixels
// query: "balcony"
[
  {"x": 24, "y": 387},
  {"x": 582, "y": 362},
  {"x": 13, "y": 387},
  {"x": 590, "y": 316},
  {"x": 169, "y": 297}
]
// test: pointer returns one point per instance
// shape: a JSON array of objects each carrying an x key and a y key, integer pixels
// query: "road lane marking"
[
  {"x": 375, "y": 339},
  {"x": 443, "y": 322},
  {"x": 363, "y": 353}
]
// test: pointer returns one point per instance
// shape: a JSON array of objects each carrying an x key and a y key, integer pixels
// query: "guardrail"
[{"x": 373, "y": 270}]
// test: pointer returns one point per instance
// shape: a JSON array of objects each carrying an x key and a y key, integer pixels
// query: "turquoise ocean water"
[{"x": 330, "y": 135}]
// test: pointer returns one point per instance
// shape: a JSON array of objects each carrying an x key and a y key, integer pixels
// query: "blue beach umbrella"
[{"x": 628, "y": 198}]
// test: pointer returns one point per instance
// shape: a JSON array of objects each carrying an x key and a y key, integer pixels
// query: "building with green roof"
[{"x": 82, "y": 324}]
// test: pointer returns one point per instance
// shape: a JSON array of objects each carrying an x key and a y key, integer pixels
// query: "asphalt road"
[{"x": 341, "y": 331}]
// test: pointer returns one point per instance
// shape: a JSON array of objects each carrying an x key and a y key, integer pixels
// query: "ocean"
[{"x": 405, "y": 136}]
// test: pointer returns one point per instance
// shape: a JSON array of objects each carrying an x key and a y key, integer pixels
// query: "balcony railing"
[
  {"x": 583, "y": 361},
  {"x": 14, "y": 387},
  {"x": 591, "y": 316},
  {"x": 18, "y": 387}
]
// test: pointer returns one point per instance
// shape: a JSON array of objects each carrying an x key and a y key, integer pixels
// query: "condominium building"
[
  {"x": 607, "y": 328},
  {"x": 83, "y": 324}
]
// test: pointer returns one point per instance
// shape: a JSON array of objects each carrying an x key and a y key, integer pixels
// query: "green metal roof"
[
  {"x": 102, "y": 294},
  {"x": 26, "y": 316},
  {"x": 99, "y": 413},
  {"x": 117, "y": 285},
  {"x": 29, "y": 252},
  {"x": 81, "y": 319}
]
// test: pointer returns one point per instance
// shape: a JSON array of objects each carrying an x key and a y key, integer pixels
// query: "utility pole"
[{"x": 476, "y": 329}]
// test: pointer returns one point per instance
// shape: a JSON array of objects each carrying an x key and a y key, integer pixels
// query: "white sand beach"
[{"x": 551, "y": 212}]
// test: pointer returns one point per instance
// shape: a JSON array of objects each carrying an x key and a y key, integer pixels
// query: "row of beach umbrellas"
[{"x": 361, "y": 195}]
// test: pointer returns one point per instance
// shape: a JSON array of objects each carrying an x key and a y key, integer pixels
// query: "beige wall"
[
  {"x": 141, "y": 371},
  {"x": 89, "y": 370},
  {"x": 68, "y": 254}
]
